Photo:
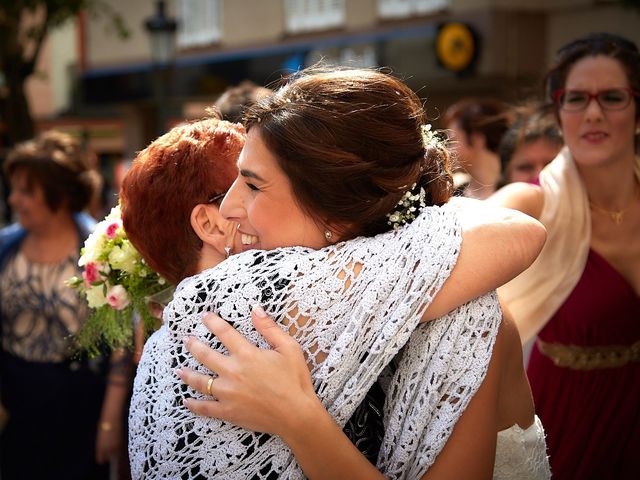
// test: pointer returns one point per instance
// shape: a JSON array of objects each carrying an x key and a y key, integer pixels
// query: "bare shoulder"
[{"x": 524, "y": 197}]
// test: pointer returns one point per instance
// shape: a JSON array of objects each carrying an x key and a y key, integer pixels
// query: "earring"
[
  {"x": 328, "y": 235},
  {"x": 227, "y": 252}
]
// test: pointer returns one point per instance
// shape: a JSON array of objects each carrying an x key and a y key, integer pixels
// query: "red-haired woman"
[{"x": 174, "y": 184}]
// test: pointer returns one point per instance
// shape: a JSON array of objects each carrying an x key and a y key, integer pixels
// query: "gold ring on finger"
[{"x": 209, "y": 383}]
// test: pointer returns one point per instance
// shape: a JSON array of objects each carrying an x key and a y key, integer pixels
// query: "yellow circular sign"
[{"x": 455, "y": 46}]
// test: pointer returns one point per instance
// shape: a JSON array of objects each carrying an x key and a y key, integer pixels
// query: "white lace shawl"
[{"x": 365, "y": 298}]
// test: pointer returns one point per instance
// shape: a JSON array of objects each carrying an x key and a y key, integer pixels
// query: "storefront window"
[
  {"x": 309, "y": 15},
  {"x": 406, "y": 8},
  {"x": 199, "y": 22}
]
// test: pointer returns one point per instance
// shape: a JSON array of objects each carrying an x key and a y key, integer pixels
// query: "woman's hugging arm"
[
  {"x": 270, "y": 390},
  {"x": 497, "y": 245}
]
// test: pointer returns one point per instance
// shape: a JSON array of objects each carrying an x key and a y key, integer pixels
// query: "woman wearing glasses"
[{"x": 581, "y": 297}]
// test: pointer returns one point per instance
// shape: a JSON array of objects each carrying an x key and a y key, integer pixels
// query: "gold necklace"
[{"x": 617, "y": 216}]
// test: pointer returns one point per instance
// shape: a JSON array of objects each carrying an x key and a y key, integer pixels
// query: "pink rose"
[
  {"x": 91, "y": 274},
  {"x": 112, "y": 229},
  {"x": 117, "y": 297}
]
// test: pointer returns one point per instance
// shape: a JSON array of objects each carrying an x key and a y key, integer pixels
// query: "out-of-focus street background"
[{"x": 93, "y": 71}]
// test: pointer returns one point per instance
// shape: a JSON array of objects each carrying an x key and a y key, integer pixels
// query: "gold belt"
[{"x": 590, "y": 358}]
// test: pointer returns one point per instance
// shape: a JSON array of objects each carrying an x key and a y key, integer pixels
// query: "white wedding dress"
[
  {"x": 522, "y": 453},
  {"x": 354, "y": 308}
]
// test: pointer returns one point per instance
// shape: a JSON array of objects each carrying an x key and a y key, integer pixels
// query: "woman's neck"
[
  {"x": 613, "y": 186},
  {"x": 209, "y": 258},
  {"x": 53, "y": 241}
]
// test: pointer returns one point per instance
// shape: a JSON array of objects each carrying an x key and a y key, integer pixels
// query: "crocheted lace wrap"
[{"x": 352, "y": 307}]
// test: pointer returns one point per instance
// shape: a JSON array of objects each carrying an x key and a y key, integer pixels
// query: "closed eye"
[{"x": 252, "y": 187}]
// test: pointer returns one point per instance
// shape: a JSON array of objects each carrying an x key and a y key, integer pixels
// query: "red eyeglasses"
[
  {"x": 610, "y": 100},
  {"x": 217, "y": 199}
]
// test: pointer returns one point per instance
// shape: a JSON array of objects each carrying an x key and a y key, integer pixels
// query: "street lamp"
[{"x": 162, "y": 35}]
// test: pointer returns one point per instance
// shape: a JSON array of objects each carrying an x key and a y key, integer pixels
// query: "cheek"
[
  {"x": 570, "y": 126},
  {"x": 23, "y": 201},
  {"x": 625, "y": 124},
  {"x": 261, "y": 217}
]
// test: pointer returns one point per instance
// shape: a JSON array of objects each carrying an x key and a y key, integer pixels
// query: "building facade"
[{"x": 445, "y": 49}]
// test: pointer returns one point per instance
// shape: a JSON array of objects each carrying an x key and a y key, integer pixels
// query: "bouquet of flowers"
[{"x": 117, "y": 284}]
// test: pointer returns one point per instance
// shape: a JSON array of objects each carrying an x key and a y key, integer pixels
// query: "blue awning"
[{"x": 287, "y": 48}]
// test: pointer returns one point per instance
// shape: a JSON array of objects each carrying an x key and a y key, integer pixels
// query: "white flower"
[
  {"x": 93, "y": 246},
  {"x": 117, "y": 297},
  {"x": 114, "y": 214},
  {"x": 429, "y": 138},
  {"x": 407, "y": 208},
  {"x": 124, "y": 257},
  {"x": 95, "y": 296}
]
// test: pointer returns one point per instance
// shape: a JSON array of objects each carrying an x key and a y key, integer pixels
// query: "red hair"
[{"x": 183, "y": 168}]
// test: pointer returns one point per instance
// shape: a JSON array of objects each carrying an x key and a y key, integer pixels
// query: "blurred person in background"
[
  {"x": 236, "y": 99},
  {"x": 4, "y": 211},
  {"x": 582, "y": 295},
  {"x": 475, "y": 127},
  {"x": 81, "y": 427},
  {"x": 532, "y": 141}
]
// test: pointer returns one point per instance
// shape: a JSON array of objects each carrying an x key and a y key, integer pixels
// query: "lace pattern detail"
[
  {"x": 440, "y": 369},
  {"x": 522, "y": 454},
  {"x": 352, "y": 307}
]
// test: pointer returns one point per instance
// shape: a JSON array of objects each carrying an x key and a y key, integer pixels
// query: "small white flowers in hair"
[
  {"x": 413, "y": 200},
  {"x": 408, "y": 208},
  {"x": 429, "y": 137}
]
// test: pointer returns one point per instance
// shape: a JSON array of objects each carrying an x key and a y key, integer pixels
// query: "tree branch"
[{"x": 30, "y": 64}]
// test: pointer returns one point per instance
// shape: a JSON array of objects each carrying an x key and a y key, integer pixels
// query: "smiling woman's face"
[
  {"x": 28, "y": 202},
  {"x": 262, "y": 203},
  {"x": 595, "y": 136}
]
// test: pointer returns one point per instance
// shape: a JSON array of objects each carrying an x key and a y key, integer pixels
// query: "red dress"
[{"x": 591, "y": 417}]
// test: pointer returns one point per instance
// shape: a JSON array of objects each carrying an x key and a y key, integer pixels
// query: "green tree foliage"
[{"x": 24, "y": 26}]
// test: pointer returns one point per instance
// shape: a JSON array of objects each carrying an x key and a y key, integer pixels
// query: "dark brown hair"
[
  {"x": 486, "y": 116},
  {"x": 350, "y": 142},
  {"x": 183, "y": 168},
  {"x": 610, "y": 45},
  {"x": 236, "y": 99},
  {"x": 55, "y": 162}
]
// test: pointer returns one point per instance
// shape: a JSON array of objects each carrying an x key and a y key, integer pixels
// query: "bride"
[{"x": 352, "y": 298}]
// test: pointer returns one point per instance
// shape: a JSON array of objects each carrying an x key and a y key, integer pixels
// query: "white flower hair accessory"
[
  {"x": 116, "y": 283},
  {"x": 430, "y": 138},
  {"x": 408, "y": 208}
]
